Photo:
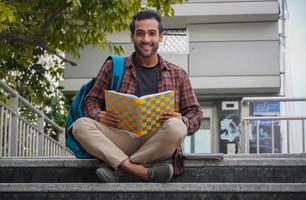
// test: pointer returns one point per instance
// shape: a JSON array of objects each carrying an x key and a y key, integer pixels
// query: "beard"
[{"x": 144, "y": 53}]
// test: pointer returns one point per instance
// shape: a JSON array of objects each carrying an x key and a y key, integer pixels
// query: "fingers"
[
  {"x": 174, "y": 114},
  {"x": 167, "y": 115},
  {"x": 109, "y": 119}
]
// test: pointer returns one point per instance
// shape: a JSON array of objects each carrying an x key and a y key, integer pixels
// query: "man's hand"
[
  {"x": 167, "y": 115},
  {"x": 108, "y": 119}
]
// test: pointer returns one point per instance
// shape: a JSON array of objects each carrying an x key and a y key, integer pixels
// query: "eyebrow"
[{"x": 150, "y": 30}]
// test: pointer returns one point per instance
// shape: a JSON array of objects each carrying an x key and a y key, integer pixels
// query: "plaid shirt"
[{"x": 171, "y": 77}]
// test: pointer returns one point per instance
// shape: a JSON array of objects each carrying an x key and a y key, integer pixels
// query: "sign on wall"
[
  {"x": 229, "y": 127},
  {"x": 263, "y": 128}
]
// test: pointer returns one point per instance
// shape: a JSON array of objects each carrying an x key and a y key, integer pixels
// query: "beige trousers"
[{"x": 114, "y": 146}]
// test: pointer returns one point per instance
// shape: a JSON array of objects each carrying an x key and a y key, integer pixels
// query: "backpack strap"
[{"x": 117, "y": 73}]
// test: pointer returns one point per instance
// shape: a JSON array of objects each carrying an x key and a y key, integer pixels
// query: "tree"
[{"x": 36, "y": 30}]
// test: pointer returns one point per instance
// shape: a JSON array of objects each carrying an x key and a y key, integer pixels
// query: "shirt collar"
[{"x": 162, "y": 63}]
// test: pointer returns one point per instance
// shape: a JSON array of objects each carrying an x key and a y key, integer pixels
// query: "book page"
[
  {"x": 139, "y": 115},
  {"x": 122, "y": 94},
  {"x": 155, "y": 94},
  {"x": 126, "y": 107},
  {"x": 135, "y": 97},
  {"x": 153, "y": 106}
]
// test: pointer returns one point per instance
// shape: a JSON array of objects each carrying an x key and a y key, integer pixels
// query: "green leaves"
[
  {"x": 34, "y": 34},
  {"x": 75, "y": 3},
  {"x": 7, "y": 15}
]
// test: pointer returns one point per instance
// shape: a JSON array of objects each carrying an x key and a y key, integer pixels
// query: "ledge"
[
  {"x": 153, "y": 187},
  {"x": 264, "y": 160}
]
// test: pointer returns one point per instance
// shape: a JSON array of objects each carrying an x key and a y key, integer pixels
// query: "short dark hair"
[{"x": 146, "y": 14}]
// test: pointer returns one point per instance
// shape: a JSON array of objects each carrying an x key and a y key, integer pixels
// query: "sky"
[{"x": 296, "y": 47}]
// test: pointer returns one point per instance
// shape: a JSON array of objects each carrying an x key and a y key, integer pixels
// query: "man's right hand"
[{"x": 108, "y": 119}]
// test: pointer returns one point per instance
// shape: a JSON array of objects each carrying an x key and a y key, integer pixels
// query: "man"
[{"x": 145, "y": 73}]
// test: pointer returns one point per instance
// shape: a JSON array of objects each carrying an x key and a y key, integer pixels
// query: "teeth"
[{"x": 146, "y": 47}]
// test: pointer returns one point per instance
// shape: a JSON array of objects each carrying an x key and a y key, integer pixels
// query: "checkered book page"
[{"x": 139, "y": 115}]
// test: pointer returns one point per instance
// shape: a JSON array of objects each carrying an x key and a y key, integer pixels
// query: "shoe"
[
  {"x": 161, "y": 173},
  {"x": 107, "y": 175}
]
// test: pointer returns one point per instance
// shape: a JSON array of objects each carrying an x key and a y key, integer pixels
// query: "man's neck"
[{"x": 146, "y": 61}]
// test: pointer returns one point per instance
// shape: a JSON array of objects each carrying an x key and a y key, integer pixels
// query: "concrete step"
[
  {"x": 264, "y": 168},
  {"x": 153, "y": 191}
]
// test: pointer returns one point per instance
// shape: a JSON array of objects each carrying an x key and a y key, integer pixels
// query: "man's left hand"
[{"x": 167, "y": 115}]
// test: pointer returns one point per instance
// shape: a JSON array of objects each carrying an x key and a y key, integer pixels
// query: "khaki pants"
[{"x": 114, "y": 146}]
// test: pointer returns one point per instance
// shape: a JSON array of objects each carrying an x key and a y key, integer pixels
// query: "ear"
[
  {"x": 161, "y": 37},
  {"x": 131, "y": 35}
]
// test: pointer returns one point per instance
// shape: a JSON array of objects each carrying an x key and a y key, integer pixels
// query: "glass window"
[{"x": 200, "y": 142}]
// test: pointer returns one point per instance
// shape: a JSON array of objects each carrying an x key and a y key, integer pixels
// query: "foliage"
[{"x": 36, "y": 30}]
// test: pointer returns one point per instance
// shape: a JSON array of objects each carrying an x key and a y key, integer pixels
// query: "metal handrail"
[
  {"x": 246, "y": 118},
  {"x": 12, "y": 136},
  {"x": 8, "y": 108},
  {"x": 39, "y": 131},
  {"x": 29, "y": 105},
  {"x": 8, "y": 88},
  {"x": 275, "y": 118},
  {"x": 56, "y": 126},
  {"x": 282, "y": 99}
]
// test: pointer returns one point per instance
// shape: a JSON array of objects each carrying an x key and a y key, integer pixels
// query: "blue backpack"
[{"x": 77, "y": 106}]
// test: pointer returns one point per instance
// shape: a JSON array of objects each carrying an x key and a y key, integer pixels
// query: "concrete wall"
[
  {"x": 216, "y": 11},
  {"x": 235, "y": 57}
]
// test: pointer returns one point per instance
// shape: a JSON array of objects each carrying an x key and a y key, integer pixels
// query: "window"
[{"x": 175, "y": 41}]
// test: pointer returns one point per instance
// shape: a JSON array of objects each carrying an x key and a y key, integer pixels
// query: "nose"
[{"x": 146, "y": 37}]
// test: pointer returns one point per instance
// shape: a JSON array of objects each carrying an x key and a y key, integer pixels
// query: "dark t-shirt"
[{"x": 146, "y": 79}]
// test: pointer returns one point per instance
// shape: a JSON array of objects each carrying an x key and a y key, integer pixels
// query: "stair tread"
[
  {"x": 153, "y": 187},
  {"x": 229, "y": 160}
]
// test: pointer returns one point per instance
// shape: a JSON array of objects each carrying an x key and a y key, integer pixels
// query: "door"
[{"x": 204, "y": 141}]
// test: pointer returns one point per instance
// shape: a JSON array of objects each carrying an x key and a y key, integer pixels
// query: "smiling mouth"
[{"x": 146, "y": 46}]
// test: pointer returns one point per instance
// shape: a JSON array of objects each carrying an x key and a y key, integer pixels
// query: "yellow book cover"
[{"x": 139, "y": 115}]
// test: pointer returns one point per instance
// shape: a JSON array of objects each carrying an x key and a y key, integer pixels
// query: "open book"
[{"x": 139, "y": 115}]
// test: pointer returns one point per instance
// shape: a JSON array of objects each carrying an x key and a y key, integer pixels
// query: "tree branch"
[
  {"x": 25, "y": 40},
  {"x": 52, "y": 17}
]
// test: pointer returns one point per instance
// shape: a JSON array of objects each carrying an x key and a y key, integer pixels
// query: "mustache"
[{"x": 146, "y": 43}]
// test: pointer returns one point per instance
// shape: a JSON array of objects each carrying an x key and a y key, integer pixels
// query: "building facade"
[{"x": 230, "y": 49}]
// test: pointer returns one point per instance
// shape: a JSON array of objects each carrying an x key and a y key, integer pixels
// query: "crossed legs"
[{"x": 129, "y": 154}]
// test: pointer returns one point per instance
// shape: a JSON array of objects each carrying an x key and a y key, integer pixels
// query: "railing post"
[
  {"x": 14, "y": 126},
  {"x": 244, "y": 137},
  {"x": 40, "y": 126},
  {"x": 61, "y": 140}
]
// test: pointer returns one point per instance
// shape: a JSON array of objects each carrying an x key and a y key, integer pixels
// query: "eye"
[
  {"x": 139, "y": 33},
  {"x": 152, "y": 33}
]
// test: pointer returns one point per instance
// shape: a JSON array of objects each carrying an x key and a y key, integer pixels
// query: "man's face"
[{"x": 146, "y": 37}]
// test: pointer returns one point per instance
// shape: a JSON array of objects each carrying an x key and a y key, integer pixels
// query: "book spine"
[{"x": 139, "y": 118}]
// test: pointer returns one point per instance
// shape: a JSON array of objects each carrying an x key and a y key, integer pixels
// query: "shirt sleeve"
[
  {"x": 95, "y": 100},
  {"x": 189, "y": 106}
]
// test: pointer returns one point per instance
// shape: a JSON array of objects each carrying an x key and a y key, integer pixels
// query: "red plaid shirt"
[{"x": 171, "y": 77}]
